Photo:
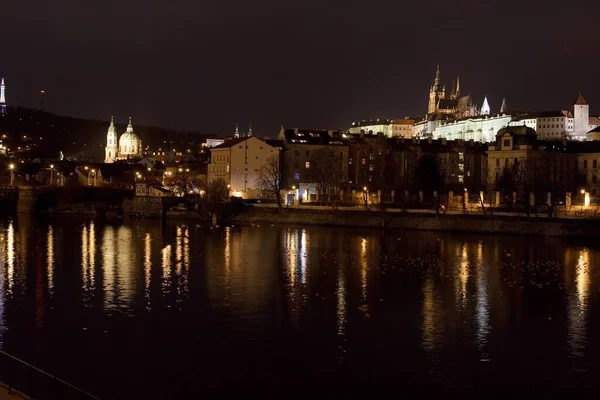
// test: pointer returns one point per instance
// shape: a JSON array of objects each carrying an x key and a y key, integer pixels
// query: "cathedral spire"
[
  {"x": 453, "y": 91},
  {"x": 237, "y": 131},
  {"x": 457, "y": 93},
  {"x": 437, "y": 80},
  {"x": 130, "y": 126},
  {"x": 250, "y": 130},
  {"x": 503, "y": 108},
  {"x": 485, "y": 108}
]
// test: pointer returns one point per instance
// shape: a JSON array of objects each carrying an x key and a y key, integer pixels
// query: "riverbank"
[{"x": 420, "y": 222}]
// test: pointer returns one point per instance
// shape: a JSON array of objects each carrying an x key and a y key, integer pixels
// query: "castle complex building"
[
  {"x": 128, "y": 146},
  {"x": 456, "y": 117}
]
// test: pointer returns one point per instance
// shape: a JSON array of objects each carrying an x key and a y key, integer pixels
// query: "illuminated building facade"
[{"x": 128, "y": 146}]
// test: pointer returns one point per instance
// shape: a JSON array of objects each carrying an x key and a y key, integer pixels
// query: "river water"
[{"x": 146, "y": 309}]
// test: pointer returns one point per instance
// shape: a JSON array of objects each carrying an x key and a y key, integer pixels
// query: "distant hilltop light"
[{"x": 42, "y": 91}]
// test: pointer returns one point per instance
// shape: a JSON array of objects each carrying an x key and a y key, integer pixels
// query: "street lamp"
[
  {"x": 12, "y": 173},
  {"x": 94, "y": 172},
  {"x": 51, "y": 174},
  {"x": 366, "y": 197},
  {"x": 582, "y": 198}
]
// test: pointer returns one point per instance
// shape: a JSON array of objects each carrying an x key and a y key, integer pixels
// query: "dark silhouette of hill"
[{"x": 47, "y": 134}]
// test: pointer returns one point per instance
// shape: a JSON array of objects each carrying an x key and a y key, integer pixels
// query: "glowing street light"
[
  {"x": 51, "y": 174},
  {"x": 12, "y": 173},
  {"x": 582, "y": 198}
]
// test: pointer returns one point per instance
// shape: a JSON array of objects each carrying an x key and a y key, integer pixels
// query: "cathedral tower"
[
  {"x": 2, "y": 98},
  {"x": 436, "y": 92},
  {"x": 111, "y": 143}
]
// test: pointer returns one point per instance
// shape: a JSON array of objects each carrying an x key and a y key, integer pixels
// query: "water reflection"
[
  {"x": 577, "y": 308},
  {"x": 433, "y": 304}
]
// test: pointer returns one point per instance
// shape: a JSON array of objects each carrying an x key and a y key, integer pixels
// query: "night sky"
[{"x": 205, "y": 65}]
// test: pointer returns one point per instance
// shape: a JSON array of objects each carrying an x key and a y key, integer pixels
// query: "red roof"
[{"x": 580, "y": 100}]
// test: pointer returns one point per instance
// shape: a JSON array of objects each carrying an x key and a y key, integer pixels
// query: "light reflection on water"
[{"x": 445, "y": 300}]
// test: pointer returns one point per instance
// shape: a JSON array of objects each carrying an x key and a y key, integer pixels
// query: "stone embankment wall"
[{"x": 523, "y": 226}]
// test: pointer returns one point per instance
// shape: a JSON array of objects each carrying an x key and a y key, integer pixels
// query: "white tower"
[
  {"x": 250, "y": 130},
  {"x": 485, "y": 108},
  {"x": 581, "y": 117},
  {"x": 503, "y": 108},
  {"x": 2, "y": 97},
  {"x": 111, "y": 151},
  {"x": 237, "y": 131}
]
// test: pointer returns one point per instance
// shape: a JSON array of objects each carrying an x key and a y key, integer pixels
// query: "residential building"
[
  {"x": 237, "y": 162},
  {"x": 301, "y": 148}
]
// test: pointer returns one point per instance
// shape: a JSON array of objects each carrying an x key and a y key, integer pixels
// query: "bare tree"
[
  {"x": 270, "y": 180},
  {"x": 327, "y": 171},
  {"x": 217, "y": 191}
]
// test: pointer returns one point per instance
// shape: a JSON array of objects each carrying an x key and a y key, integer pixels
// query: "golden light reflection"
[
  {"x": 50, "y": 260},
  {"x": 166, "y": 268},
  {"x": 292, "y": 252},
  {"x": 126, "y": 263},
  {"x": 88, "y": 256},
  {"x": 227, "y": 260},
  {"x": 364, "y": 266},
  {"x": 463, "y": 276},
  {"x": 10, "y": 255},
  {"x": 92, "y": 254},
  {"x": 341, "y": 302},
  {"x": 108, "y": 265},
  {"x": 303, "y": 255},
  {"x": 483, "y": 314},
  {"x": 178, "y": 250},
  {"x": 583, "y": 279},
  {"x": 147, "y": 267},
  {"x": 578, "y": 309}
]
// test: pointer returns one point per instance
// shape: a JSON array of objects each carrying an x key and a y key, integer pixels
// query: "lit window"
[
  {"x": 297, "y": 175},
  {"x": 307, "y": 164}
]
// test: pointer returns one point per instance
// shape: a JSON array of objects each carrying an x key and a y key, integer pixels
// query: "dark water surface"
[{"x": 144, "y": 309}]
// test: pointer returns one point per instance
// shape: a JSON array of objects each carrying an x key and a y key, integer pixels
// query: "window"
[
  {"x": 297, "y": 176},
  {"x": 461, "y": 156},
  {"x": 584, "y": 163},
  {"x": 497, "y": 162},
  {"x": 350, "y": 161},
  {"x": 307, "y": 153},
  {"x": 506, "y": 143},
  {"x": 371, "y": 167},
  {"x": 307, "y": 165},
  {"x": 594, "y": 163},
  {"x": 297, "y": 153},
  {"x": 296, "y": 164},
  {"x": 364, "y": 161},
  {"x": 594, "y": 178}
]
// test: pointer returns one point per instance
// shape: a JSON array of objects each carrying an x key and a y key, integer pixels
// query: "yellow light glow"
[
  {"x": 11, "y": 166},
  {"x": 51, "y": 166}
]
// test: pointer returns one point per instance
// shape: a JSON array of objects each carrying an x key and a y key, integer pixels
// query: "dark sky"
[{"x": 205, "y": 65}]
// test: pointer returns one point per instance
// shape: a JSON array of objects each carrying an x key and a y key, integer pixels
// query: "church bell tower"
[
  {"x": 436, "y": 92},
  {"x": 111, "y": 150}
]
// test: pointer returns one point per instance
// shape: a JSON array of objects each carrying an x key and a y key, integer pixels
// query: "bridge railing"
[{"x": 29, "y": 382}]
